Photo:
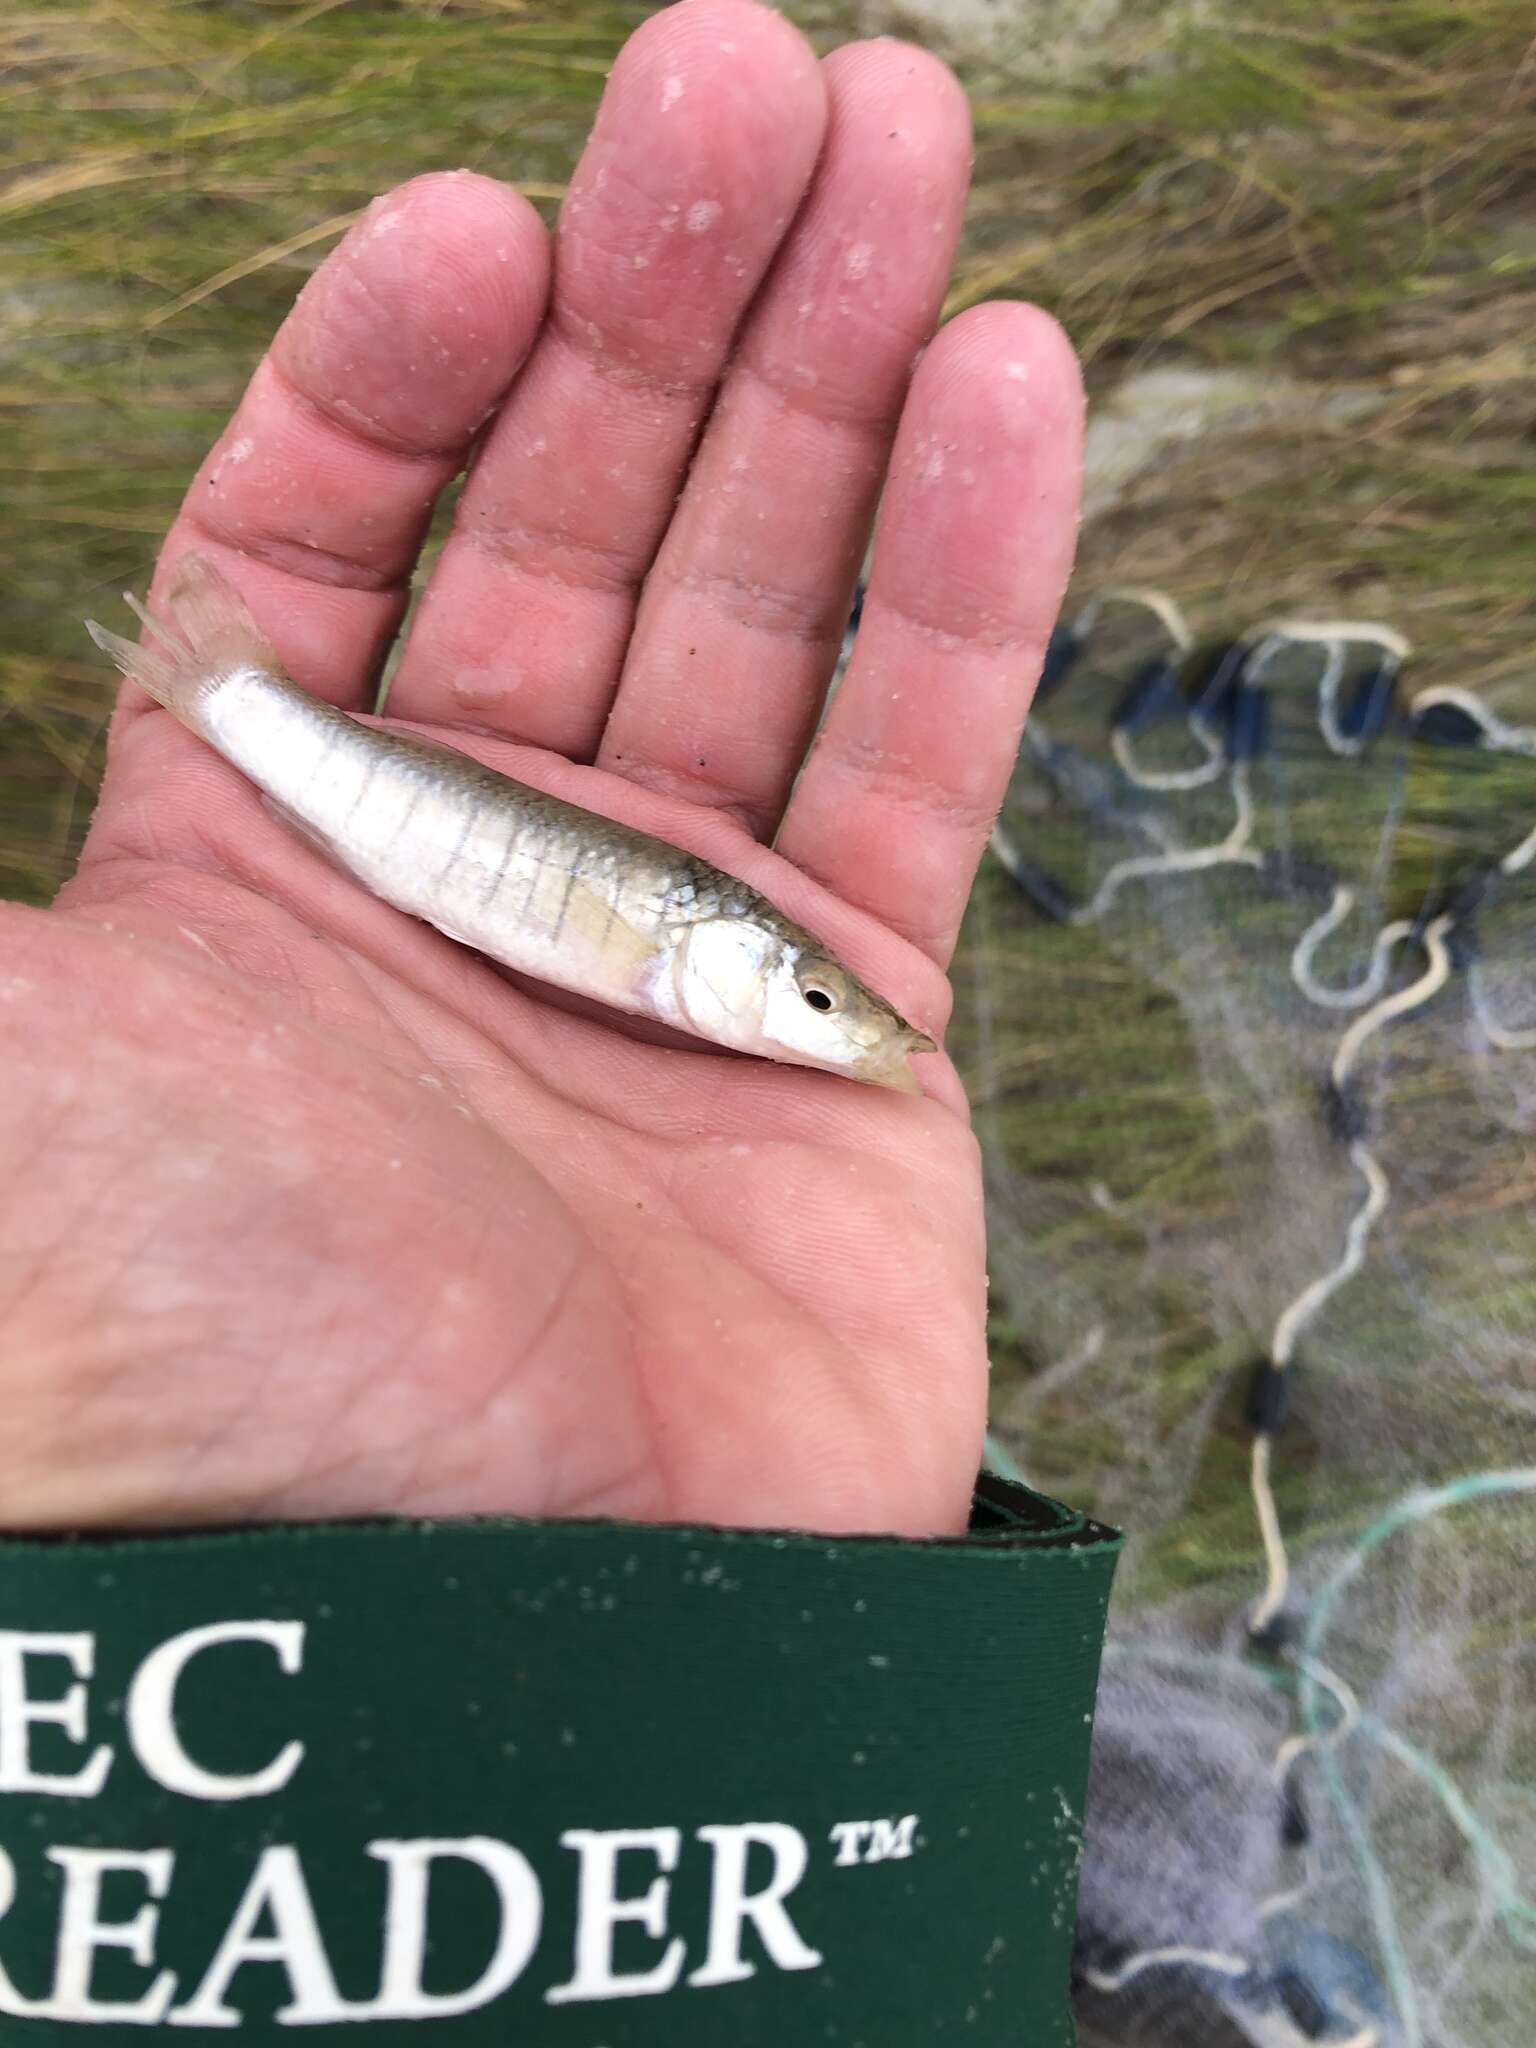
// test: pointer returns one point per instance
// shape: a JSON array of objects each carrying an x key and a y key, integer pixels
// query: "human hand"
[{"x": 305, "y": 1211}]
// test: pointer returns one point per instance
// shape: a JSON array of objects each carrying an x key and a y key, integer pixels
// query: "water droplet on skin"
[
  {"x": 671, "y": 92},
  {"x": 1016, "y": 373}
]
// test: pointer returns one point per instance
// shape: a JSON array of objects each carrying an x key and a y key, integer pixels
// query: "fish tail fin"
[{"x": 207, "y": 635}]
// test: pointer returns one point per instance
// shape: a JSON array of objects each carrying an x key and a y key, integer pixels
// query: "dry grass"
[
  {"x": 169, "y": 173},
  {"x": 1349, "y": 205}
]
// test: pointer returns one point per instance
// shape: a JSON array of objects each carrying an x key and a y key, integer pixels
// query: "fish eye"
[{"x": 818, "y": 997}]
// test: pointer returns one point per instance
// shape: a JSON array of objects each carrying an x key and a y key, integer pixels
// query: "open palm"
[{"x": 306, "y": 1210}]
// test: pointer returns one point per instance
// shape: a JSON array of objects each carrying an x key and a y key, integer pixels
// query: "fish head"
[{"x": 776, "y": 992}]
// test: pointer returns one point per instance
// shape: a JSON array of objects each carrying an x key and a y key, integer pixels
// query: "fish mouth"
[{"x": 892, "y": 1070}]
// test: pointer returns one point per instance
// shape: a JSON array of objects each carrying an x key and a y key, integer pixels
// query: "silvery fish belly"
[{"x": 534, "y": 883}]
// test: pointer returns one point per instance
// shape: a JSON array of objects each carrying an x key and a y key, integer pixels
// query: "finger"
[
  {"x": 317, "y": 494},
  {"x": 972, "y": 555},
  {"x": 702, "y": 149},
  {"x": 744, "y": 611}
]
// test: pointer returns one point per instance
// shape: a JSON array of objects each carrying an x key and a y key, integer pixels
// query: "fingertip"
[
  {"x": 1013, "y": 359},
  {"x": 859, "y": 284},
  {"x": 459, "y": 202},
  {"x": 928, "y": 103},
  {"x": 696, "y": 33},
  {"x": 421, "y": 317},
  {"x": 980, "y": 522},
  {"x": 721, "y": 78},
  {"x": 476, "y": 224}
]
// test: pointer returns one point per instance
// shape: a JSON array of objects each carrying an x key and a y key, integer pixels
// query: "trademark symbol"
[{"x": 874, "y": 1841}]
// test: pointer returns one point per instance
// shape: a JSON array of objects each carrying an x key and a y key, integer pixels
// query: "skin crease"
[{"x": 306, "y": 1211}]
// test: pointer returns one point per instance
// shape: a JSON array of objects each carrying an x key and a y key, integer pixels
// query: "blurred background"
[{"x": 1247, "y": 1000}]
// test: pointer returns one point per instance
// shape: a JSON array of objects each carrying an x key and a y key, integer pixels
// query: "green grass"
[{"x": 1346, "y": 202}]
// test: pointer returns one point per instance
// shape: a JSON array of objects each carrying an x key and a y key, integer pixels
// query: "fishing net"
[{"x": 1247, "y": 1004}]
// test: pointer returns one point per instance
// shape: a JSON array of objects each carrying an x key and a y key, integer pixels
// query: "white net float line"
[
  {"x": 1494, "y": 733},
  {"x": 1334, "y": 637},
  {"x": 1162, "y": 607},
  {"x": 1167, "y": 1958},
  {"x": 1371, "y": 984},
  {"x": 1236, "y": 850},
  {"x": 1367, "y": 994},
  {"x": 1295, "y": 1317},
  {"x": 1181, "y": 640}
]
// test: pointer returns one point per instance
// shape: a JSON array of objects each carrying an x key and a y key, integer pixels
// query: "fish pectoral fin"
[{"x": 622, "y": 950}]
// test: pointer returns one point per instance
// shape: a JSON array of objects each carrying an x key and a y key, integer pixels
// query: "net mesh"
[{"x": 1247, "y": 1003}]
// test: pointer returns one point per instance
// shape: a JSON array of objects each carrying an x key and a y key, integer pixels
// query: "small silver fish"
[{"x": 538, "y": 884}]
